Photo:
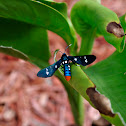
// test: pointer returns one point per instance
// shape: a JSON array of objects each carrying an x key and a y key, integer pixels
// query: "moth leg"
[
  {"x": 74, "y": 63},
  {"x": 62, "y": 68}
]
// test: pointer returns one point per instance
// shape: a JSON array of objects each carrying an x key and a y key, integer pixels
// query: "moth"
[{"x": 65, "y": 62}]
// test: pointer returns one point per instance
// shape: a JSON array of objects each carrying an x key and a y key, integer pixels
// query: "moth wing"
[
  {"x": 50, "y": 70},
  {"x": 82, "y": 60}
]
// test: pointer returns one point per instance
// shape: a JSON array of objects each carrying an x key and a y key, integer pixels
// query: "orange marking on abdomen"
[{"x": 67, "y": 78}]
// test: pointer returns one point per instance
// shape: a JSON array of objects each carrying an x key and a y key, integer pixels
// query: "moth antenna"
[
  {"x": 67, "y": 47},
  {"x": 55, "y": 52}
]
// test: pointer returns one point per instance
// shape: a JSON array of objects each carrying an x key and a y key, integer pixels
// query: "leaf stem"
[{"x": 87, "y": 42}]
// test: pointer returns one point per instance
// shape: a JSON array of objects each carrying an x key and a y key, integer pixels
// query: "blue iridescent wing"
[
  {"x": 82, "y": 60},
  {"x": 50, "y": 70}
]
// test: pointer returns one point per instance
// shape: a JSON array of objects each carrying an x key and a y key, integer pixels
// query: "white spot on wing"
[
  {"x": 75, "y": 59},
  {"x": 47, "y": 71},
  {"x": 55, "y": 66},
  {"x": 65, "y": 61},
  {"x": 84, "y": 57},
  {"x": 86, "y": 61}
]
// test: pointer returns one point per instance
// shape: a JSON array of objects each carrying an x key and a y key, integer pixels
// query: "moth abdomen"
[{"x": 67, "y": 72}]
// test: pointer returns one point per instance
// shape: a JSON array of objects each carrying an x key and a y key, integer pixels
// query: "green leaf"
[
  {"x": 87, "y": 42},
  {"x": 75, "y": 99},
  {"x": 61, "y": 7},
  {"x": 39, "y": 14},
  {"x": 109, "y": 76},
  {"x": 13, "y": 52},
  {"x": 81, "y": 82},
  {"x": 123, "y": 21},
  {"x": 27, "y": 41},
  {"x": 106, "y": 22}
]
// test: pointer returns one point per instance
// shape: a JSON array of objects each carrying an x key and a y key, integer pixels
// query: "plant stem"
[{"x": 87, "y": 42}]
